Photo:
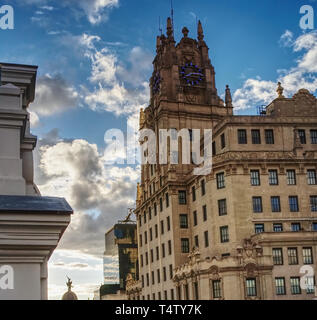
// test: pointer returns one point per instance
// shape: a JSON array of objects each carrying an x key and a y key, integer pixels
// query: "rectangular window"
[
  {"x": 277, "y": 254},
  {"x": 314, "y": 226},
  {"x": 223, "y": 141},
  {"x": 164, "y": 274},
  {"x": 203, "y": 187},
  {"x": 310, "y": 283},
  {"x": 273, "y": 177},
  {"x": 292, "y": 256},
  {"x": 144, "y": 217},
  {"x": 165, "y": 294},
  {"x": 276, "y": 204},
  {"x": 172, "y": 294},
  {"x": 259, "y": 228},
  {"x": 255, "y": 178},
  {"x": 216, "y": 289},
  {"x": 242, "y": 136},
  {"x": 140, "y": 240},
  {"x": 296, "y": 227},
  {"x": 157, "y": 253},
  {"x": 302, "y": 136},
  {"x": 196, "y": 242},
  {"x": 162, "y": 227},
  {"x": 313, "y": 136},
  {"x": 147, "y": 280},
  {"x": 308, "y": 256},
  {"x": 169, "y": 247},
  {"x": 182, "y": 197},
  {"x": 150, "y": 213},
  {"x": 256, "y": 136},
  {"x": 257, "y": 204},
  {"x": 205, "y": 213},
  {"x": 168, "y": 220},
  {"x": 167, "y": 200},
  {"x": 171, "y": 271},
  {"x": 183, "y": 219},
  {"x": 295, "y": 285},
  {"x": 293, "y": 203},
  {"x": 196, "y": 292},
  {"x": 145, "y": 237},
  {"x": 186, "y": 292},
  {"x": 206, "y": 237},
  {"x": 163, "y": 250},
  {"x": 214, "y": 151},
  {"x": 269, "y": 136},
  {"x": 277, "y": 227},
  {"x": 291, "y": 177},
  {"x": 143, "y": 282},
  {"x": 155, "y": 209},
  {"x": 161, "y": 204},
  {"x": 224, "y": 234},
  {"x": 140, "y": 221},
  {"x": 142, "y": 262},
  {"x": 195, "y": 218},
  {"x": 251, "y": 287},
  {"x": 152, "y": 276},
  {"x": 185, "y": 245},
  {"x": 311, "y": 177},
  {"x": 193, "y": 193},
  {"x": 280, "y": 286},
  {"x": 220, "y": 180},
  {"x": 222, "y": 207},
  {"x": 152, "y": 256},
  {"x": 146, "y": 258},
  {"x": 313, "y": 203},
  {"x": 156, "y": 231}
]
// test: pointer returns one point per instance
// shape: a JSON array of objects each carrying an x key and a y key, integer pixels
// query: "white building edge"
[{"x": 30, "y": 225}]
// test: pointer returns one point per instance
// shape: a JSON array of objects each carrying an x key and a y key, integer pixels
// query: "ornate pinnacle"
[
  {"x": 228, "y": 97},
  {"x": 185, "y": 32},
  {"x": 280, "y": 91},
  {"x": 169, "y": 28},
  {"x": 200, "y": 32}
]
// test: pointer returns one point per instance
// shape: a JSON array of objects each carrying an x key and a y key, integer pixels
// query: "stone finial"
[
  {"x": 200, "y": 31},
  {"x": 142, "y": 118},
  {"x": 185, "y": 32},
  {"x": 228, "y": 98},
  {"x": 169, "y": 28},
  {"x": 280, "y": 90}
]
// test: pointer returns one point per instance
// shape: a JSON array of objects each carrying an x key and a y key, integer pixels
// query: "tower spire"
[
  {"x": 228, "y": 98},
  {"x": 200, "y": 31},
  {"x": 170, "y": 31}
]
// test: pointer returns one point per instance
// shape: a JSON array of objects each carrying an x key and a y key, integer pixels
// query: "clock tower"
[{"x": 183, "y": 79}]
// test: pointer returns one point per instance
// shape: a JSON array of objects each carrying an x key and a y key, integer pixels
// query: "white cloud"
[
  {"x": 53, "y": 95},
  {"x": 255, "y": 92},
  {"x": 286, "y": 39}
]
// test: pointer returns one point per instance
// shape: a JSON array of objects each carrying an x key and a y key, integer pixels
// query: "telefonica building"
[{"x": 247, "y": 230}]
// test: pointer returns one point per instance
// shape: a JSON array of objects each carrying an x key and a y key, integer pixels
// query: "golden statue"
[{"x": 69, "y": 284}]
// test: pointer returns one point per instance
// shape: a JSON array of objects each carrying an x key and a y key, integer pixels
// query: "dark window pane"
[
  {"x": 242, "y": 137},
  {"x": 183, "y": 218},
  {"x": 224, "y": 234},
  {"x": 220, "y": 180},
  {"x": 277, "y": 254},
  {"x": 257, "y": 204},
  {"x": 255, "y": 178},
  {"x": 273, "y": 177},
  {"x": 269, "y": 136},
  {"x": 256, "y": 136},
  {"x": 311, "y": 177},
  {"x": 222, "y": 207},
  {"x": 293, "y": 204},
  {"x": 251, "y": 287},
  {"x": 259, "y": 228},
  {"x": 302, "y": 136},
  {"x": 185, "y": 245},
  {"x": 291, "y": 177},
  {"x": 182, "y": 197},
  {"x": 313, "y": 136},
  {"x": 276, "y": 204}
]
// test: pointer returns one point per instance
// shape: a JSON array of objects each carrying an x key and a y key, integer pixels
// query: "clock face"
[
  {"x": 156, "y": 83},
  {"x": 192, "y": 74}
]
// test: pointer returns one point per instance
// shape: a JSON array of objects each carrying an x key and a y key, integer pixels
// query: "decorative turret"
[
  {"x": 228, "y": 98},
  {"x": 170, "y": 31}
]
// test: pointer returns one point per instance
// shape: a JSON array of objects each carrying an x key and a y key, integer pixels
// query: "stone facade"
[{"x": 245, "y": 230}]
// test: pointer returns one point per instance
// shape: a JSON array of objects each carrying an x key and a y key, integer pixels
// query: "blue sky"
[{"x": 94, "y": 59}]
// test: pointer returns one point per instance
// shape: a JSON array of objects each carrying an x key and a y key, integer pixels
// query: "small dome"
[{"x": 69, "y": 295}]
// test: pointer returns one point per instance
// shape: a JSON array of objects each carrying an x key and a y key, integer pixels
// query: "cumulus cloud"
[
  {"x": 286, "y": 39},
  {"x": 53, "y": 95},
  {"x": 99, "y": 194},
  {"x": 255, "y": 92}
]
